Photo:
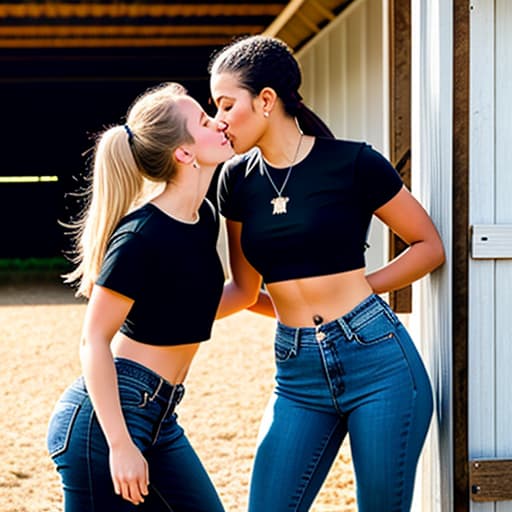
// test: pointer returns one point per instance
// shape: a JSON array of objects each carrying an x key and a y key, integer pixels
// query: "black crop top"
[
  {"x": 332, "y": 193},
  {"x": 171, "y": 269}
]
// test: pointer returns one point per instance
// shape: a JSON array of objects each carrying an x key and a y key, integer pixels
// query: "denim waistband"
[
  {"x": 366, "y": 309},
  {"x": 158, "y": 386}
]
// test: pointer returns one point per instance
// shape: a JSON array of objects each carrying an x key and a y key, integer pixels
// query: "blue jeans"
[
  {"x": 364, "y": 378},
  {"x": 178, "y": 480}
]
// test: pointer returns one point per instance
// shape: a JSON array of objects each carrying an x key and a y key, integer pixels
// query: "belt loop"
[
  {"x": 296, "y": 341},
  {"x": 347, "y": 331},
  {"x": 160, "y": 382},
  {"x": 171, "y": 398}
]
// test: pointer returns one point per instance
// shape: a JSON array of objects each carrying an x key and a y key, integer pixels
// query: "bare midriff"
[
  {"x": 298, "y": 301},
  {"x": 170, "y": 362}
]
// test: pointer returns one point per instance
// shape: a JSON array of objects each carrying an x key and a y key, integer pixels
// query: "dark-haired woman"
[
  {"x": 153, "y": 278},
  {"x": 298, "y": 204}
]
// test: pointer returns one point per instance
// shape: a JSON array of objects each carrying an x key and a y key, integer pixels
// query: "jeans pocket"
[
  {"x": 283, "y": 350},
  {"x": 377, "y": 329},
  {"x": 60, "y": 426},
  {"x": 131, "y": 396}
]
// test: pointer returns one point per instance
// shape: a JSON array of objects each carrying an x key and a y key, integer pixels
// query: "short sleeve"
[
  {"x": 226, "y": 199},
  {"x": 377, "y": 178},
  {"x": 124, "y": 265}
]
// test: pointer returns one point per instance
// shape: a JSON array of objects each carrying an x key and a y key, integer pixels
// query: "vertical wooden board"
[
  {"x": 481, "y": 313},
  {"x": 503, "y": 358},
  {"x": 399, "y": 59},
  {"x": 460, "y": 250},
  {"x": 482, "y": 112},
  {"x": 481, "y": 384},
  {"x": 503, "y": 89},
  {"x": 503, "y": 215}
]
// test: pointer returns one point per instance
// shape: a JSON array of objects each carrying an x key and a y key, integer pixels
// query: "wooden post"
[
  {"x": 460, "y": 252},
  {"x": 400, "y": 121}
]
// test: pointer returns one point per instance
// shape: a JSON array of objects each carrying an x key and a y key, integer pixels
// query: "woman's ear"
[
  {"x": 183, "y": 155},
  {"x": 268, "y": 98}
]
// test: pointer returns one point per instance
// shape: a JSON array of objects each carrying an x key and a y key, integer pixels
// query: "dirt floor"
[{"x": 227, "y": 389}]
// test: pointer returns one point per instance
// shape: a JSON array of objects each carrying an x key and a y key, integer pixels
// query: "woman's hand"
[
  {"x": 130, "y": 473},
  {"x": 105, "y": 314}
]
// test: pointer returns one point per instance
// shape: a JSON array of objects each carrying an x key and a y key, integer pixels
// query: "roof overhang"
[{"x": 301, "y": 20}]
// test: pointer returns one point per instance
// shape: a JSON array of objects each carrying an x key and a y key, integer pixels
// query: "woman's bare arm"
[{"x": 407, "y": 218}]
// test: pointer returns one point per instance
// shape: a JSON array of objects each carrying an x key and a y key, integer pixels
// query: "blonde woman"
[{"x": 153, "y": 279}]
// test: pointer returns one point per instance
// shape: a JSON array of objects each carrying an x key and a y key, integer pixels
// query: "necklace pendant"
[{"x": 279, "y": 204}]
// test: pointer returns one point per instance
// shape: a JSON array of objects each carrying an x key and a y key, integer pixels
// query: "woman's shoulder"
[
  {"x": 135, "y": 220},
  {"x": 235, "y": 170},
  {"x": 340, "y": 144},
  {"x": 341, "y": 150}
]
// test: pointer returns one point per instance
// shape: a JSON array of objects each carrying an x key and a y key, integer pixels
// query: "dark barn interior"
[
  {"x": 68, "y": 70},
  {"x": 53, "y": 102}
]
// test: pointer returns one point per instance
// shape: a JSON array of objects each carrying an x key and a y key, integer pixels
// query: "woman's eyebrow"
[{"x": 223, "y": 97}]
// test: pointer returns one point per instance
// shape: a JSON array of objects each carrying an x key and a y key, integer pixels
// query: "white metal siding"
[
  {"x": 432, "y": 29},
  {"x": 345, "y": 83},
  {"x": 490, "y": 299}
]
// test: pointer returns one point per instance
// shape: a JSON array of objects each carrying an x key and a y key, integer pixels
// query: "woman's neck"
[
  {"x": 281, "y": 145},
  {"x": 183, "y": 196}
]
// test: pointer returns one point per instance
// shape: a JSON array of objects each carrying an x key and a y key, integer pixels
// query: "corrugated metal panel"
[
  {"x": 338, "y": 66},
  {"x": 432, "y": 85}
]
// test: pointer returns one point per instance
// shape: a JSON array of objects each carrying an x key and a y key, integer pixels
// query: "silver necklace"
[{"x": 279, "y": 202}]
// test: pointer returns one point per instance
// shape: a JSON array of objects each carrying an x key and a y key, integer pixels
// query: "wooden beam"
[
  {"x": 307, "y": 22},
  {"x": 135, "y": 10},
  {"x": 35, "y": 31},
  {"x": 284, "y": 17},
  {"x": 326, "y": 13},
  {"x": 460, "y": 253},
  {"x": 109, "y": 42},
  {"x": 400, "y": 121}
]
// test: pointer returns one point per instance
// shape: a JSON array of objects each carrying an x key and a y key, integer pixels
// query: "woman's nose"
[{"x": 221, "y": 125}]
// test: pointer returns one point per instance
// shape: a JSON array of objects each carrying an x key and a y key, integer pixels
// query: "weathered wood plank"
[
  {"x": 490, "y": 480},
  {"x": 400, "y": 121}
]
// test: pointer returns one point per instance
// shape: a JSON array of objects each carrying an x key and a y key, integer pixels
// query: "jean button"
[{"x": 320, "y": 336}]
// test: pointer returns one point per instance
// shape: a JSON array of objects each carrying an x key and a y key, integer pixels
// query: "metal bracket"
[{"x": 491, "y": 241}]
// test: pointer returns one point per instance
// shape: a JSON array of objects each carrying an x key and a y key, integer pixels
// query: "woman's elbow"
[
  {"x": 438, "y": 255},
  {"x": 250, "y": 298}
]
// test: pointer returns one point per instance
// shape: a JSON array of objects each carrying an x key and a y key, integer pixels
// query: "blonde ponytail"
[
  {"x": 127, "y": 158},
  {"x": 116, "y": 186}
]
